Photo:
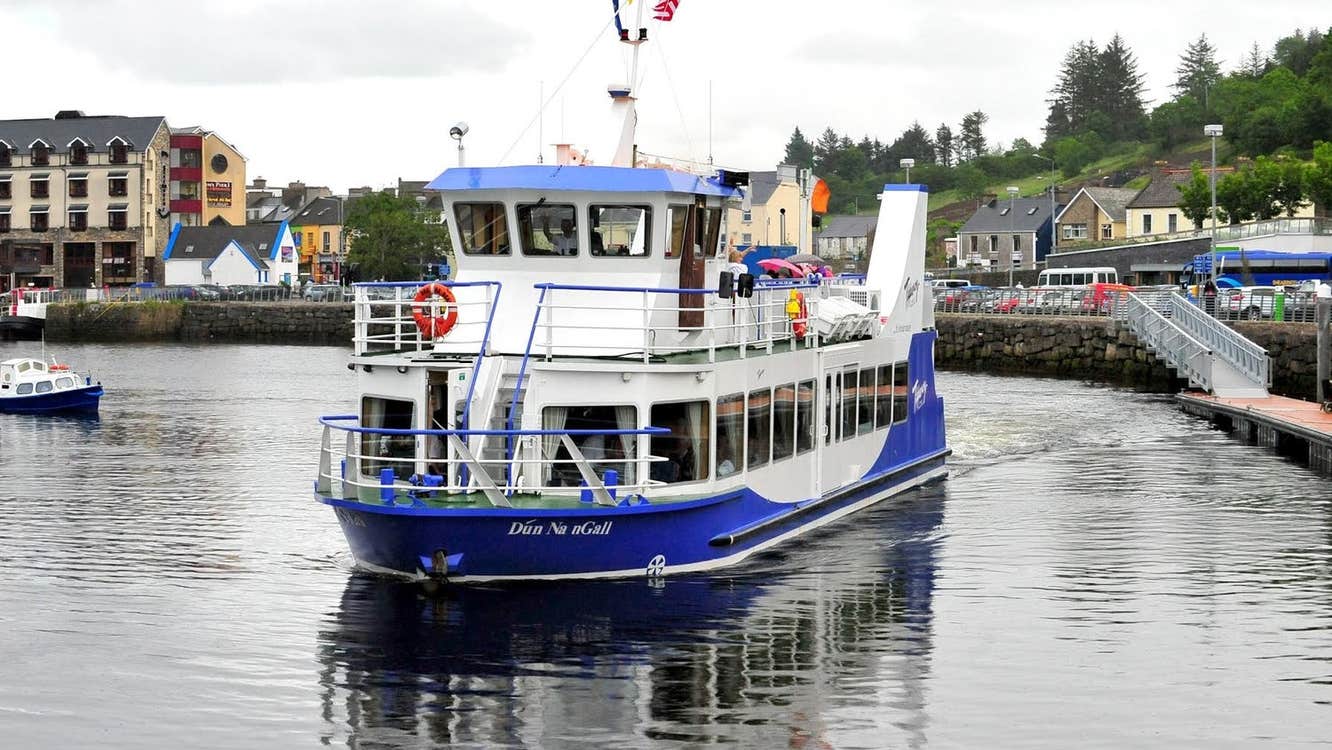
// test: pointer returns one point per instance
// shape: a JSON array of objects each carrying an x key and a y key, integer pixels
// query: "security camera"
[{"x": 458, "y": 131}]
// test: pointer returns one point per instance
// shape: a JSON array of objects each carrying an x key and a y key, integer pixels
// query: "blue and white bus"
[{"x": 1256, "y": 268}]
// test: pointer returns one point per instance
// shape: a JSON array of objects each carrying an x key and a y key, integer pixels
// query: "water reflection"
[{"x": 803, "y": 648}]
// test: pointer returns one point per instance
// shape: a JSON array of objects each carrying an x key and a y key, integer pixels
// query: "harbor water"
[{"x": 1100, "y": 570}]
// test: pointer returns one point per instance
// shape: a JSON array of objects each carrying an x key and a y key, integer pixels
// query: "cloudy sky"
[{"x": 348, "y": 92}]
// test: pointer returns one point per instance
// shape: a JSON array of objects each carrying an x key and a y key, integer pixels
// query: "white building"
[{"x": 253, "y": 254}]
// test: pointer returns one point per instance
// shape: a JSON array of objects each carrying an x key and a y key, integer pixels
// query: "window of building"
[
  {"x": 548, "y": 229},
  {"x": 187, "y": 191},
  {"x": 746, "y": 238},
  {"x": 218, "y": 163},
  {"x": 805, "y": 417},
  {"x": 39, "y": 186},
  {"x": 5, "y": 159},
  {"x": 1146, "y": 223},
  {"x": 730, "y": 433},
  {"x": 1017, "y": 247},
  {"x": 1107, "y": 232},
  {"x": 617, "y": 230},
  {"x": 974, "y": 248},
  {"x": 78, "y": 153},
  {"x": 41, "y": 154},
  {"x": 783, "y": 421},
  {"x": 5, "y": 191},
  {"x": 686, "y": 447},
  {"x": 380, "y": 451},
  {"x": 865, "y": 401},
  {"x": 309, "y": 241},
  {"x": 746, "y": 216},
  {"x": 191, "y": 158},
  {"x": 117, "y": 185},
  {"x": 117, "y": 217},
  {"x": 1003, "y": 211},
  {"x": 994, "y": 243},
  {"x": 759, "y": 423},
  {"x": 900, "y": 392},
  {"x": 1172, "y": 223},
  {"x": 78, "y": 218},
  {"x": 1075, "y": 231},
  {"x": 603, "y": 452},
  {"x": 326, "y": 241},
  {"x": 119, "y": 152},
  {"x": 483, "y": 228},
  {"x": 37, "y": 219},
  {"x": 4, "y": 219},
  {"x": 78, "y": 185}
]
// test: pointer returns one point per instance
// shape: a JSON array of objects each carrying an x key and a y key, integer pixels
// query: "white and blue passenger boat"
[
  {"x": 594, "y": 395},
  {"x": 31, "y": 386}
]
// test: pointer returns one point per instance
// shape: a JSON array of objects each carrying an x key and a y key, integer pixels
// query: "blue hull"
[{"x": 79, "y": 400}]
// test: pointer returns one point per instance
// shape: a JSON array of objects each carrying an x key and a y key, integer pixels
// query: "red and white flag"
[{"x": 665, "y": 10}]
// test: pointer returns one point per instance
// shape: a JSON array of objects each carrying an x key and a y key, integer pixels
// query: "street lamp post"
[
  {"x": 1213, "y": 132},
  {"x": 907, "y": 164},
  {"x": 1012, "y": 193},
  {"x": 456, "y": 133}
]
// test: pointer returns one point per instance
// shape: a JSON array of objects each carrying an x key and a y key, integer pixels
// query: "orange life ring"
[
  {"x": 436, "y": 327},
  {"x": 798, "y": 313}
]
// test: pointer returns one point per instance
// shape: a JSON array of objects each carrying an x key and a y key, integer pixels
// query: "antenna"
[
  {"x": 709, "y": 121},
  {"x": 541, "y": 117}
]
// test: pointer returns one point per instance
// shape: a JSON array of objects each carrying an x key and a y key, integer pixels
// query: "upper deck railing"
[{"x": 387, "y": 311}]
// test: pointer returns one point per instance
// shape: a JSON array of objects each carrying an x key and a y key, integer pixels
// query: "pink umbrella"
[{"x": 781, "y": 267}]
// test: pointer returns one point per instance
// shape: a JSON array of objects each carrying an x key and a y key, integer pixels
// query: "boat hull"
[
  {"x": 641, "y": 540},
  {"x": 21, "y": 328},
  {"x": 74, "y": 401}
]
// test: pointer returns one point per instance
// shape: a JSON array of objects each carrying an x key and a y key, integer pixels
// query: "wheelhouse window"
[
  {"x": 805, "y": 417},
  {"x": 730, "y": 434},
  {"x": 678, "y": 217},
  {"x": 78, "y": 153},
  {"x": 709, "y": 222},
  {"x": 483, "y": 228},
  {"x": 686, "y": 447},
  {"x": 759, "y": 422},
  {"x": 603, "y": 452},
  {"x": 617, "y": 230},
  {"x": 119, "y": 152},
  {"x": 379, "y": 451},
  {"x": 41, "y": 154},
  {"x": 900, "y": 392},
  {"x": 117, "y": 185},
  {"x": 78, "y": 218},
  {"x": 38, "y": 219},
  {"x": 78, "y": 186},
  {"x": 39, "y": 186},
  {"x": 548, "y": 229}
]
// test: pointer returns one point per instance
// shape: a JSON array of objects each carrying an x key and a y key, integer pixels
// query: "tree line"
[{"x": 1272, "y": 104}]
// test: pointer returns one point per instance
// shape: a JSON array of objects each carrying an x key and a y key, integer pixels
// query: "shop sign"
[{"x": 218, "y": 193}]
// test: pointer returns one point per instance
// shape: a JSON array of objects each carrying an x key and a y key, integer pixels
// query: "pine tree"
[
  {"x": 971, "y": 135},
  {"x": 1255, "y": 64},
  {"x": 1120, "y": 88},
  {"x": 1076, "y": 90},
  {"x": 825, "y": 152},
  {"x": 1198, "y": 71},
  {"x": 943, "y": 145},
  {"x": 913, "y": 143},
  {"x": 799, "y": 151}
]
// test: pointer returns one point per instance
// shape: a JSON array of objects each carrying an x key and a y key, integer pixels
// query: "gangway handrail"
[
  {"x": 1244, "y": 355},
  {"x": 1180, "y": 349}
]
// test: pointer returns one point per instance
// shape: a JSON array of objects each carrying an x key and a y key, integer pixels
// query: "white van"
[
  {"x": 1077, "y": 277},
  {"x": 948, "y": 283}
]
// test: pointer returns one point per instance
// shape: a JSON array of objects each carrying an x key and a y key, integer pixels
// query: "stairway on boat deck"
[{"x": 495, "y": 447}]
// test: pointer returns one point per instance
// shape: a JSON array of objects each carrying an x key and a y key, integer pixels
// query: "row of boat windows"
[
  {"x": 752, "y": 430},
  {"x": 43, "y": 386},
  {"x": 615, "y": 230}
]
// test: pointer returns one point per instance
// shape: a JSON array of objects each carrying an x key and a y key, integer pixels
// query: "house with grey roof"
[
  {"x": 1094, "y": 213},
  {"x": 773, "y": 211},
  {"x": 1003, "y": 234},
  {"x": 84, "y": 200},
  {"x": 843, "y": 237},
  {"x": 320, "y": 242},
  {"x": 224, "y": 254}
]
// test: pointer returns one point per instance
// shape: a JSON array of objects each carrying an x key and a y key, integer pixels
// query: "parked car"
[
  {"x": 1250, "y": 302},
  {"x": 327, "y": 293}
]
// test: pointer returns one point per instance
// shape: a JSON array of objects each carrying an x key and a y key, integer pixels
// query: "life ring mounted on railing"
[{"x": 436, "y": 326}]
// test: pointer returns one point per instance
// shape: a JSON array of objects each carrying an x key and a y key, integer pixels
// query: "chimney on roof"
[
  {"x": 260, "y": 184},
  {"x": 69, "y": 114}
]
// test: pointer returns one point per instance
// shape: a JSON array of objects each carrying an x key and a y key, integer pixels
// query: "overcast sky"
[{"x": 349, "y": 92}]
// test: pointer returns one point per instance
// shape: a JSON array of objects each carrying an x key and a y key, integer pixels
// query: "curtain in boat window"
[
  {"x": 379, "y": 451},
  {"x": 730, "y": 434},
  {"x": 626, "y": 418},
  {"x": 696, "y": 457},
  {"x": 552, "y": 418}
]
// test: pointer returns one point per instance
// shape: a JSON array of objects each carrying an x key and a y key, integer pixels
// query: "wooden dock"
[{"x": 1298, "y": 429}]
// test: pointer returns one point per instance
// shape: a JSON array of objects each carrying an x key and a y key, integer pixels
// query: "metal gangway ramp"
[{"x": 1210, "y": 354}]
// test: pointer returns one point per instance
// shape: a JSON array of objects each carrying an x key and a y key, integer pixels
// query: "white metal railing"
[
  {"x": 1245, "y": 356},
  {"x": 386, "y": 316},
  {"x": 1189, "y": 356},
  {"x": 395, "y": 465}
]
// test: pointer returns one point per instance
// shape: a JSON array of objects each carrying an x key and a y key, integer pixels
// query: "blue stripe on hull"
[
  {"x": 59, "y": 402},
  {"x": 502, "y": 543}
]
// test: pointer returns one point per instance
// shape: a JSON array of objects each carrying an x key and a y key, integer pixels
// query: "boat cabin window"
[
  {"x": 900, "y": 392},
  {"x": 678, "y": 217},
  {"x": 601, "y": 451},
  {"x": 65, "y": 382},
  {"x": 45, "y": 386},
  {"x": 483, "y": 228},
  {"x": 686, "y": 447},
  {"x": 883, "y": 399},
  {"x": 548, "y": 228},
  {"x": 730, "y": 433},
  {"x": 850, "y": 386},
  {"x": 783, "y": 421},
  {"x": 805, "y": 417},
  {"x": 378, "y": 451},
  {"x": 710, "y": 223},
  {"x": 24, "y": 389},
  {"x": 865, "y": 424},
  {"x": 759, "y": 421},
  {"x": 624, "y": 231}
]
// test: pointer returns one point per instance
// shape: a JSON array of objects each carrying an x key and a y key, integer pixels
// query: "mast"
[{"x": 622, "y": 96}]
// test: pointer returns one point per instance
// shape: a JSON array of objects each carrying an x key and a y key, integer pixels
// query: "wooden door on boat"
[{"x": 697, "y": 229}]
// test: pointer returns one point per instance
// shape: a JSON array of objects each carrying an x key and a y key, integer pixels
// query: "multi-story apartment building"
[
  {"x": 317, "y": 231},
  {"x": 207, "y": 179},
  {"x": 83, "y": 200}
]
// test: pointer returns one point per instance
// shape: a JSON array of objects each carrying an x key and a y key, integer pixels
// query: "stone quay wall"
[
  {"x": 1086, "y": 348},
  {"x": 1103, "y": 350},
  {"x": 327, "y": 323}
]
